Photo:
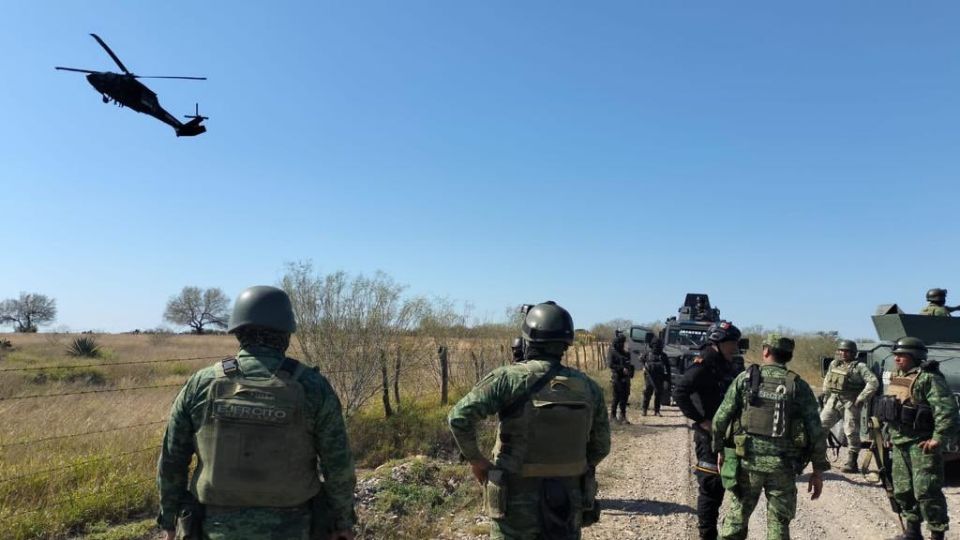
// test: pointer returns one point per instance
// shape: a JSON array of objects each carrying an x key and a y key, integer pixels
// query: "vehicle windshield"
[
  {"x": 638, "y": 335},
  {"x": 686, "y": 337}
]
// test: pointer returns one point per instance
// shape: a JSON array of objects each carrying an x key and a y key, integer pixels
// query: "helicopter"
[{"x": 126, "y": 91}]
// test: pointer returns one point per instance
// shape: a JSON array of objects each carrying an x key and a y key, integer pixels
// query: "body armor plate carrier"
[
  {"x": 839, "y": 380},
  {"x": 769, "y": 402},
  {"x": 254, "y": 446},
  {"x": 897, "y": 406},
  {"x": 548, "y": 435}
]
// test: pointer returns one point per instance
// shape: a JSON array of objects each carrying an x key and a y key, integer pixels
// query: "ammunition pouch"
[
  {"x": 914, "y": 417},
  {"x": 887, "y": 409},
  {"x": 321, "y": 516},
  {"x": 495, "y": 494},
  {"x": 589, "y": 488},
  {"x": 190, "y": 522},
  {"x": 730, "y": 469},
  {"x": 923, "y": 419},
  {"x": 556, "y": 511}
]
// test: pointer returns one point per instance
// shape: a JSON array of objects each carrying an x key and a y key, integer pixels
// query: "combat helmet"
[
  {"x": 911, "y": 346},
  {"x": 937, "y": 296},
  {"x": 264, "y": 306},
  {"x": 547, "y": 323},
  {"x": 847, "y": 345},
  {"x": 721, "y": 331}
]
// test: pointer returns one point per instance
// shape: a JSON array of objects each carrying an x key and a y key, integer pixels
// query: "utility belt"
[
  {"x": 914, "y": 417},
  {"x": 555, "y": 507},
  {"x": 190, "y": 519}
]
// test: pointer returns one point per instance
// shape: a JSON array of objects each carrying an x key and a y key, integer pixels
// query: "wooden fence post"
[{"x": 444, "y": 374}]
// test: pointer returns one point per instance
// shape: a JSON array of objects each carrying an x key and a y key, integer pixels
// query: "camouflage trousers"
[
  {"x": 781, "y": 491},
  {"x": 918, "y": 485},
  {"x": 836, "y": 408},
  {"x": 521, "y": 520},
  {"x": 257, "y": 524}
]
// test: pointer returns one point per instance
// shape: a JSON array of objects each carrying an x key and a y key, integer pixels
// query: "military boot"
[
  {"x": 936, "y": 535},
  {"x": 851, "y": 465},
  {"x": 613, "y": 416},
  {"x": 643, "y": 412},
  {"x": 623, "y": 418},
  {"x": 912, "y": 532}
]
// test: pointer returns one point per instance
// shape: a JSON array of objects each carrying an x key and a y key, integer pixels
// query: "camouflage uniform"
[
  {"x": 523, "y": 496},
  {"x": 769, "y": 464},
  {"x": 847, "y": 404},
  {"x": 918, "y": 476},
  {"x": 325, "y": 421},
  {"x": 935, "y": 310}
]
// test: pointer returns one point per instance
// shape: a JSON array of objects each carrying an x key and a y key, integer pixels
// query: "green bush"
[{"x": 84, "y": 347}]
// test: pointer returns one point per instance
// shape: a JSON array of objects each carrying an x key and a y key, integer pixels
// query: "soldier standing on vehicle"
[
  {"x": 921, "y": 415},
  {"x": 765, "y": 432},
  {"x": 621, "y": 371},
  {"x": 553, "y": 431},
  {"x": 287, "y": 421},
  {"x": 706, "y": 380},
  {"x": 936, "y": 304},
  {"x": 847, "y": 386},
  {"x": 656, "y": 376}
]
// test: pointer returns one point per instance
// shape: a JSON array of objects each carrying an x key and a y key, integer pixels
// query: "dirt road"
[{"x": 648, "y": 492}]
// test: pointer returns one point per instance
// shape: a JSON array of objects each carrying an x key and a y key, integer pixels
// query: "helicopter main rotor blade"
[
  {"x": 168, "y": 77},
  {"x": 75, "y": 69},
  {"x": 110, "y": 52}
]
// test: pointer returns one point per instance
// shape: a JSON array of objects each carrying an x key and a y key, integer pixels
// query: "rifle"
[{"x": 881, "y": 453}]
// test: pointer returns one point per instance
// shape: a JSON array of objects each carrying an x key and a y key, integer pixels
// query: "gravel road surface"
[{"x": 648, "y": 491}]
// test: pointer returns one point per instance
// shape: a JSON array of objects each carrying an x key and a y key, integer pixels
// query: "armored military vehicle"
[
  {"x": 940, "y": 334},
  {"x": 682, "y": 335}
]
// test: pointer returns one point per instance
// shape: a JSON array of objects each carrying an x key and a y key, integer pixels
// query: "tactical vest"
[
  {"x": 898, "y": 407},
  {"x": 254, "y": 446},
  {"x": 840, "y": 381},
  {"x": 770, "y": 399},
  {"x": 548, "y": 437},
  {"x": 902, "y": 387}
]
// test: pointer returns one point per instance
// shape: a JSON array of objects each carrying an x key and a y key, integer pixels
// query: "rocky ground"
[{"x": 648, "y": 492}]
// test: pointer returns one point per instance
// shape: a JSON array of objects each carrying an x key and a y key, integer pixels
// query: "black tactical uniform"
[
  {"x": 621, "y": 371},
  {"x": 707, "y": 379},
  {"x": 656, "y": 374}
]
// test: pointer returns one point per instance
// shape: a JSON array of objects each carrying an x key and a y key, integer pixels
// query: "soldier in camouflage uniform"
[
  {"x": 553, "y": 431},
  {"x": 765, "y": 432},
  {"x": 847, "y": 385},
  {"x": 261, "y": 426},
  {"x": 921, "y": 415},
  {"x": 936, "y": 304}
]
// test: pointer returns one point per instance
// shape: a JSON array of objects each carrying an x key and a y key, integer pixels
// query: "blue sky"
[{"x": 798, "y": 163}]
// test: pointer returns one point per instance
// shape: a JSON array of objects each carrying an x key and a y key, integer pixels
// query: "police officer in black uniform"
[
  {"x": 621, "y": 371},
  {"x": 707, "y": 379},
  {"x": 656, "y": 374}
]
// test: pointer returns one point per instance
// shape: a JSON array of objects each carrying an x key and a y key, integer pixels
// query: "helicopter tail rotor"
[
  {"x": 194, "y": 126},
  {"x": 196, "y": 114}
]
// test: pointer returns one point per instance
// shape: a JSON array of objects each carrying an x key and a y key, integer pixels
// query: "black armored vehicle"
[{"x": 682, "y": 335}]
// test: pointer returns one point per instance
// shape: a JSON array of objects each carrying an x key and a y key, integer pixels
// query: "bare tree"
[
  {"x": 28, "y": 311},
  {"x": 198, "y": 308},
  {"x": 349, "y": 326}
]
